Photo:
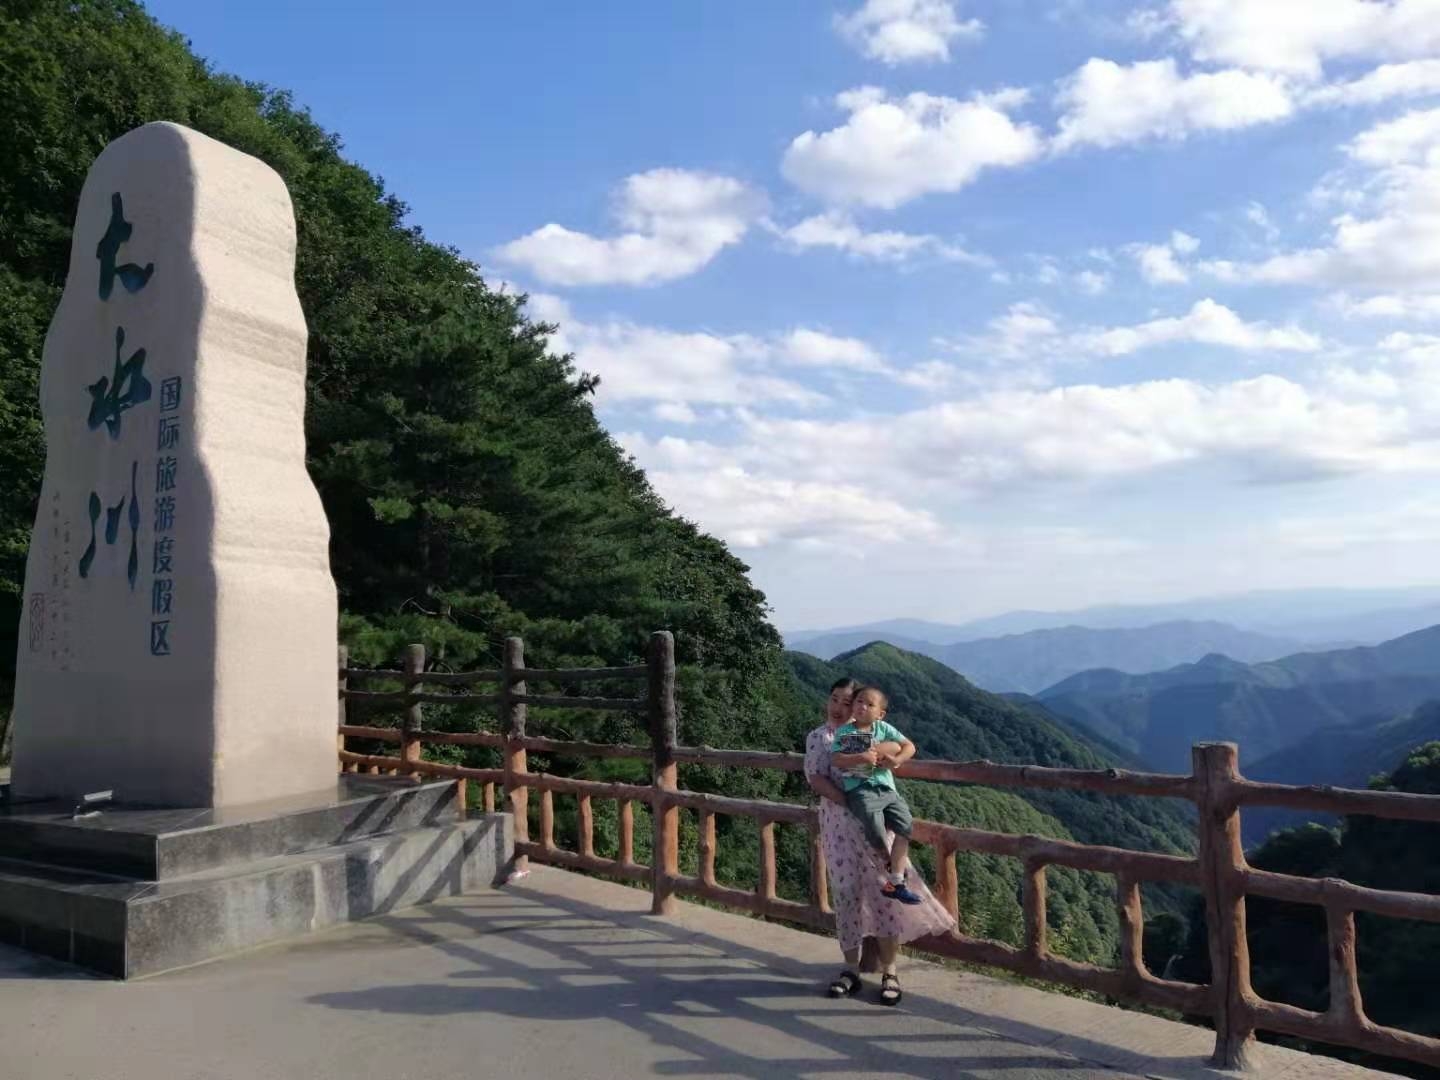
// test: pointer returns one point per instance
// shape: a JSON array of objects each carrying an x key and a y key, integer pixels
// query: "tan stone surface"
[
  {"x": 231, "y": 700},
  {"x": 560, "y": 975}
]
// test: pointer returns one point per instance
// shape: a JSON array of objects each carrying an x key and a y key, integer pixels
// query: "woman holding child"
[{"x": 872, "y": 896}]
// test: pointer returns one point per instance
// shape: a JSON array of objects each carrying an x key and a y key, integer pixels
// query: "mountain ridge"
[
  {"x": 1264, "y": 707},
  {"x": 1035, "y": 660},
  {"x": 1278, "y": 612}
]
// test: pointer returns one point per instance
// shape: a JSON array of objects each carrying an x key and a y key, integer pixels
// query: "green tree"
[
  {"x": 471, "y": 492},
  {"x": 1397, "y": 959}
]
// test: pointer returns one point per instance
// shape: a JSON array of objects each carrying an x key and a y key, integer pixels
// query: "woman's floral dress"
[{"x": 857, "y": 872}]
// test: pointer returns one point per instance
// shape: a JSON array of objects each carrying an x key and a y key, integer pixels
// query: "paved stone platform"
[{"x": 560, "y": 975}]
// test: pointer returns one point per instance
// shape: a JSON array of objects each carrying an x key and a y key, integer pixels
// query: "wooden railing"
[{"x": 1219, "y": 870}]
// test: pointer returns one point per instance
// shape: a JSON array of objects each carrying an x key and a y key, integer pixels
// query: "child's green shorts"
[{"x": 879, "y": 809}]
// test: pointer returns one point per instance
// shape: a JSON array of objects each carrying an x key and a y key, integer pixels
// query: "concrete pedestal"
[{"x": 136, "y": 890}]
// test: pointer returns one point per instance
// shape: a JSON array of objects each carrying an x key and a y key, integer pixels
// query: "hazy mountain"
[
  {"x": 1365, "y": 616},
  {"x": 829, "y": 644},
  {"x": 1033, "y": 661},
  {"x": 887, "y": 629},
  {"x": 1364, "y": 628},
  {"x": 1264, "y": 707},
  {"x": 1346, "y": 756}
]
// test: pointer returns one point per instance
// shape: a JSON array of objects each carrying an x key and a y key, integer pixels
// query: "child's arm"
[
  {"x": 905, "y": 750},
  {"x": 852, "y": 761}
]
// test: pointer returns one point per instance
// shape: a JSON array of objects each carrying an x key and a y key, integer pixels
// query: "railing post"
[
  {"x": 585, "y": 827},
  {"x": 819, "y": 882},
  {"x": 627, "y": 833},
  {"x": 517, "y": 791},
  {"x": 947, "y": 881},
  {"x": 414, "y": 721},
  {"x": 707, "y": 848},
  {"x": 1132, "y": 931},
  {"x": 665, "y": 859},
  {"x": 1222, "y": 860},
  {"x": 342, "y": 685},
  {"x": 766, "y": 888},
  {"x": 1033, "y": 897}
]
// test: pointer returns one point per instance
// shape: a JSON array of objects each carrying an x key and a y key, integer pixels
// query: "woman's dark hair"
[{"x": 845, "y": 684}]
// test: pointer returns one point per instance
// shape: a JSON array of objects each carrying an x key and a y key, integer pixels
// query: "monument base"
[{"x": 134, "y": 891}]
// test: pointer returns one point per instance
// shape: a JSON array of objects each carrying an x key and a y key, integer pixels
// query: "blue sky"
[{"x": 937, "y": 308}]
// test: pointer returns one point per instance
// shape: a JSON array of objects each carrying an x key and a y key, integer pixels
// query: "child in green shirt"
[{"x": 862, "y": 753}]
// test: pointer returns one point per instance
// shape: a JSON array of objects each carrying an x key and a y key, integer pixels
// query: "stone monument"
[
  {"x": 178, "y": 644},
  {"x": 179, "y": 637}
]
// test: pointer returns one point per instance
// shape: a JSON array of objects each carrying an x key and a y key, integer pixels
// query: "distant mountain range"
[
  {"x": 1032, "y": 661},
  {"x": 1363, "y": 616},
  {"x": 1265, "y": 707},
  {"x": 1344, "y": 756}
]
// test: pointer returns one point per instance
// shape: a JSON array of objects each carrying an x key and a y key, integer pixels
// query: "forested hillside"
[
  {"x": 1349, "y": 756},
  {"x": 948, "y": 717},
  {"x": 470, "y": 489},
  {"x": 1264, "y": 707},
  {"x": 1397, "y": 959}
]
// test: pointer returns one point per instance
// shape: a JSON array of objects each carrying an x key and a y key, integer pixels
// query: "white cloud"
[
  {"x": 864, "y": 480},
  {"x": 892, "y": 150},
  {"x": 906, "y": 31},
  {"x": 838, "y": 230},
  {"x": 648, "y": 363},
  {"x": 678, "y": 370},
  {"x": 1297, "y": 37},
  {"x": 1265, "y": 429},
  {"x": 1091, "y": 282},
  {"x": 1207, "y": 323},
  {"x": 1157, "y": 262},
  {"x": 1258, "y": 216},
  {"x": 813, "y": 348},
  {"x": 1109, "y": 104},
  {"x": 707, "y": 484},
  {"x": 679, "y": 221},
  {"x": 1024, "y": 330},
  {"x": 1408, "y": 140},
  {"x": 1388, "y": 242},
  {"x": 1158, "y": 265},
  {"x": 1184, "y": 243},
  {"x": 674, "y": 412},
  {"x": 1419, "y": 307},
  {"x": 1415, "y": 348},
  {"x": 1415, "y": 78}
]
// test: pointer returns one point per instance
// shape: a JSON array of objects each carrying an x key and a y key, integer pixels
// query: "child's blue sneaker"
[{"x": 900, "y": 892}]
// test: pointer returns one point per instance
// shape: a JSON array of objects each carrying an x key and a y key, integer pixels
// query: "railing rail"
[{"x": 1215, "y": 786}]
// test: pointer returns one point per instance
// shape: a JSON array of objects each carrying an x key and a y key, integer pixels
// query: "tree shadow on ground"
[{"x": 712, "y": 1007}]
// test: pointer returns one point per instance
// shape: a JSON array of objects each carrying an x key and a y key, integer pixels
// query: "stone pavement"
[{"x": 560, "y": 975}]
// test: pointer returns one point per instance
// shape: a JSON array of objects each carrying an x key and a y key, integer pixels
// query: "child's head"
[
  {"x": 868, "y": 704},
  {"x": 837, "y": 709}
]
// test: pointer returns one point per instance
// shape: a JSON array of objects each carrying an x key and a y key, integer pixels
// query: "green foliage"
[
  {"x": 947, "y": 717},
  {"x": 470, "y": 490},
  {"x": 1348, "y": 756},
  {"x": 1397, "y": 959}
]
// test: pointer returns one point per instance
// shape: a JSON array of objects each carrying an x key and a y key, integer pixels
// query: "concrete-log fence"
[{"x": 1215, "y": 786}]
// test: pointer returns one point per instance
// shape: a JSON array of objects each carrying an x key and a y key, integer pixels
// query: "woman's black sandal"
[
  {"x": 846, "y": 984},
  {"x": 890, "y": 990}
]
